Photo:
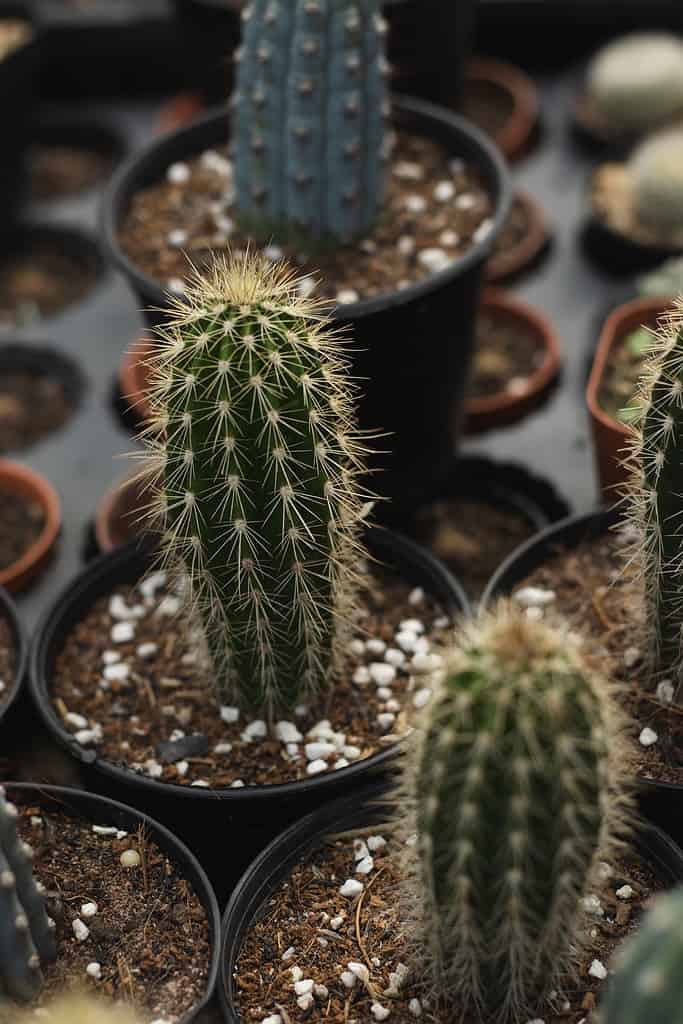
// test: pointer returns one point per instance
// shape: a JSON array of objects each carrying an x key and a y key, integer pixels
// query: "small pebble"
[
  {"x": 255, "y": 730},
  {"x": 415, "y": 204},
  {"x": 379, "y": 1012},
  {"x": 88, "y": 909},
  {"x": 365, "y": 866},
  {"x": 316, "y": 767},
  {"x": 376, "y": 646},
  {"x": 176, "y": 285},
  {"x": 406, "y": 245},
  {"x": 78, "y": 721},
  {"x": 415, "y": 1007},
  {"x": 274, "y": 1018},
  {"x": 178, "y": 173},
  {"x": 381, "y": 673},
  {"x": 229, "y": 714},
  {"x": 348, "y": 979},
  {"x": 665, "y": 691},
  {"x": 361, "y": 676},
  {"x": 449, "y": 238},
  {"x": 433, "y": 258},
  {"x": 351, "y": 887},
  {"x": 305, "y": 1002},
  {"x": 318, "y": 751},
  {"x": 80, "y": 930},
  {"x": 304, "y": 986},
  {"x": 288, "y": 953},
  {"x": 94, "y": 970},
  {"x": 222, "y": 749},
  {"x": 346, "y": 296},
  {"x": 598, "y": 970},
  {"x": 146, "y": 650},
  {"x": 648, "y": 737},
  {"x": 394, "y": 657},
  {"x": 625, "y": 892},
  {"x": 122, "y": 632},
  {"x": 376, "y": 843},
  {"x": 534, "y": 597},
  {"x": 287, "y": 732},
  {"x": 359, "y": 970},
  {"x": 444, "y": 191},
  {"x": 483, "y": 231},
  {"x": 407, "y": 170},
  {"x": 422, "y": 697},
  {"x": 386, "y": 719},
  {"x": 631, "y": 656},
  {"x": 177, "y": 238},
  {"x": 130, "y": 859}
]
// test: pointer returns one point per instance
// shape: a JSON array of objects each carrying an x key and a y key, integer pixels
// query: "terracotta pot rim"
[
  {"x": 18, "y": 574},
  {"x": 105, "y": 508},
  {"x": 178, "y": 111},
  {"x": 515, "y": 259},
  {"x": 131, "y": 384},
  {"x": 498, "y": 300},
  {"x": 514, "y": 136}
]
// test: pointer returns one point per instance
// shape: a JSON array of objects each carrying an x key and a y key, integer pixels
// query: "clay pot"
[
  {"x": 609, "y": 435},
  {"x": 512, "y": 261},
  {"x": 501, "y": 409},
  {"x": 118, "y": 513},
  {"x": 25, "y": 483},
  {"x": 514, "y": 135},
  {"x": 134, "y": 376}
]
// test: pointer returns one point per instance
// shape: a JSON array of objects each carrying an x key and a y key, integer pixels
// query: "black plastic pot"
[
  {"x": 252, "y": 815},
  {"x": 18, "y": 83},
  {"x": 82, "y": 132},
  {"x": 412, "y": 348},
  {"x": 299, "y": 842},
  {"x": 660, "y": 802},
  {"x": 8, "y": 699},
  {"x": 102, "y": 811},
  {"x": 39, "y": 358}
]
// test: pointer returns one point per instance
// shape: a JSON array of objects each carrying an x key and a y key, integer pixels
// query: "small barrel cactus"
[
  {"x": 26, "y": 932},
  {"x": 515, "y": 794},
  {"x": 310, "y": 113},
  {"x": 257, "y": 493},
  {"x": 656, "y": 177},
  {"x": 647, "y": 985},
  {"x": 665, "y": 280},
  {"x": 636, "y": 82}
]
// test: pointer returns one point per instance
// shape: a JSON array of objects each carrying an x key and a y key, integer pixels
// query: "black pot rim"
[
  {"x": 174, "y": 847},
  {"x": 8, "y": 611},
  {"x": 589, "y": 523},
  {"x": 72, "y": 238},
  {"x": 75, "y": 127},
  {"x": 75, "y": 592},
  {"x": 262, "y": 876},
  {"x": 42, "y": 355},
  {"x": 123, "y": 184}
]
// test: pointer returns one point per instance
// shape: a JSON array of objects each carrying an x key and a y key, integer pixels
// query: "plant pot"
[
  {"x": 610, "y": 437},
  {"x": 25, "y": 483},
  {"x": 80, "y": 133},
  {"x": 526, "y": 252},
  {"x": 303, "y": 838},
  {"x": 418, "y": 401},
  {"x": 496, "y": 81},
  {"x": 101, "y": 811},
  {"x": 18, "y": 74},
  {"x": 117, "y": 513},
  {"x": 660, "y": 802},
  {"x": 254, "y": 813},
  {"x": 39, "y": 360},
  {"x": 9, "y": 696},
  {"x": 492, "y": 412},
  {"x": 134, "y": 377}
]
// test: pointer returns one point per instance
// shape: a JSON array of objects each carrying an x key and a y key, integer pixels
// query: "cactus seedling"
[
  {"x": 636, "y": 82},
  {"x": 515, "y": 793},
  {"x": 647, "y": 986},
  {"x": 26, "y": 933},
  {"x": 310, "y": 112},
  {"x": 257, "y": 490},
  {"x": 656, "y": 174}
]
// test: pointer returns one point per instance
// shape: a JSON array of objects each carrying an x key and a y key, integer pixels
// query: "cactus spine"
[
  {"x": 257, "y": 490},
  {"x": 647, "y": 985},
  {"x": 515, "y": 793},
  {"x": 309, "y": 124},
  {"x": 26, "y": 932},
  {"x": 656, "y": 173},
  {"x": 656, "y": 496}
]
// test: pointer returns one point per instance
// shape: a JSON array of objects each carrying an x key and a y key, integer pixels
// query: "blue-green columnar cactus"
[
  {"x": 647, "y": 985},
  {"x": 310, "y": 118},
  {"x": 257, "y": 490},
  {"x": 26, "y": 932},
  {"x": 515, "y": 794}
]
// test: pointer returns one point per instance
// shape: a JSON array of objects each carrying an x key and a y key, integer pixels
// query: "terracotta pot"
[
  {"x": 609, "y": 435},
  {"x": 134, "y": 375},
  {"x": 520, "y": 256},
  {"x": 514, "y": 136},
  {"x": 504, "y": 408},
  {"x": 179, "y": 111},
  {"x": 25, "y": 483},
  {"x": 118, "y": 512}
]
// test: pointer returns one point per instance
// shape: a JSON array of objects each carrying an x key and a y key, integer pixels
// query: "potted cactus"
[
  {"x": 395, "y": 237},
  {"x": 276, "y": 663},
  {"x": 472, "y": 901}
]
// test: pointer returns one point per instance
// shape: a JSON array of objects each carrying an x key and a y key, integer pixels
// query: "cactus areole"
[{"x": 311, "y": 110}]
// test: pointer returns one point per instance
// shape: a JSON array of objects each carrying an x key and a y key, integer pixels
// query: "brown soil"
[
  {"x": 622, "y": 373},
  {"x": 32, "y": 405},
  {"x": 39, "y": 279},
  {"x": 507, "y": 353},
  {"x": 417, "y": 233},
  {"x": 58, "y": 171},
  {"x": 302, "y": 910},
  {"x": 514, "y": 230},
  {"x": 150, "y": 934},
  {"x": 13, "y": 33},
  {"x": 603, "y": 601},
  {"x": 612, "y": 200},
  {"x": 165, "y": 693},
  {"x": 7, "y": 661},
  {"x": 21, "y": 523},
  {"x": 472, "y": 536},
  {"x": 486, "y": 104}
]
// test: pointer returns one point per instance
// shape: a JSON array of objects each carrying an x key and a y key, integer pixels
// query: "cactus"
[
  {"x": 310, "y": 114},
  {"x": 515, "y": 793},
  {"x": 655, "y": 172},
  {"x": 636, "y": 82},
  {"x": 76, "y": 1009},
  {"x": 256, "y": 487},
  {"x": 655, "y": 494},
  {"x": 647, "y": 985},
  {"x": 666, "y": 279},
  {"x": 26, "y": 932}
]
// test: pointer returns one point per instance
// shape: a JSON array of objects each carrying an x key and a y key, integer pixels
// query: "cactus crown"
[
  {"x": 656, "y": 173},
  {"x": 309, "y": 124},
  {"x": 647, "y": 985},
  {"x": 515, "y": 793},
  {"x": 26, "y": 932},
  {"x": 255, "y": 479},
  {"x": 655, "y": 494}
]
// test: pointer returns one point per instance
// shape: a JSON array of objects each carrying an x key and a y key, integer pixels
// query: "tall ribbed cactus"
[
  {"x": 515, "y": 793},
  {"x": 647, "y": 986},
  {"x": 257, "y": 488},
  {"x": 26, "y": 932},
  {"x": 656, "y": 493},
  {"x": 310, "y": 112}
]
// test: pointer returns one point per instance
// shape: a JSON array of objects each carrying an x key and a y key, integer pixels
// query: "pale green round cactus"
[
  {"x": 516, "y": 793},
  {"x": 256, "y": 484},
  {"x": 656, "y": 174},
  {"x": 636, "y": 82},
  {"x": 647, "y": 985}
]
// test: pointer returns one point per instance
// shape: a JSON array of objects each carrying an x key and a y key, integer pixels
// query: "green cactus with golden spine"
[
  {"x": 516, "y": 791},
  {"x": 256, "y": 485}
]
